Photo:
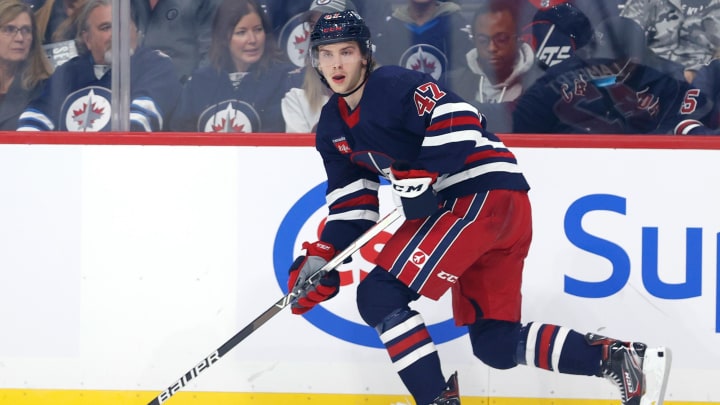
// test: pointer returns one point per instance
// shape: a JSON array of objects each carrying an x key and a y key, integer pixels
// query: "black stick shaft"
[{"x": 273, "y": 310}]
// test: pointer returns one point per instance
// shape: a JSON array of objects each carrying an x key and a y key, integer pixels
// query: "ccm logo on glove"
[{"x": 412, "y": 190}]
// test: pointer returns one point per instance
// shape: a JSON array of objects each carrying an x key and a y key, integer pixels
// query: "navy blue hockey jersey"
[
  {"x": 218, "y": 101},
  {"x": 74, "y": 99},
  {"x": 607, "y": 96},
  {"x": 436, "y": 47},
  {"x": 708, "y": 81},
  {"x": 404, "y": 115}
]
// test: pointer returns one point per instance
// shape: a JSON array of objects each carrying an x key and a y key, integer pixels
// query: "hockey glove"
[
  {"x": 323, "y": 288},
  {"x": 412, "y": 190}
]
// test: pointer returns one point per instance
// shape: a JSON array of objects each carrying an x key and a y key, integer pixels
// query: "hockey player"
[
  {"x": 467, "y": 228},
  {"x": 78, "y": 97}
]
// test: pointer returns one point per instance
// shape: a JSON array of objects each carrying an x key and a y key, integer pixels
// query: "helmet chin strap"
[{"x": 367, "y": 74}]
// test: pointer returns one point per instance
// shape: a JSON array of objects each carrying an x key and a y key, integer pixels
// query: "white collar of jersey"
[
  {"x": 100, "y": 70},
  {"x": 236, "y": 78}
]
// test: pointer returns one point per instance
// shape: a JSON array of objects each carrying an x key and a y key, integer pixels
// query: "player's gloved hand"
[
  {"x": 412, "y": 190},
  {"x": 323, "y": 288}
]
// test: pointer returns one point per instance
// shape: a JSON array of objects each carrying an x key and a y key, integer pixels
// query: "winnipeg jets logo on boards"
[
  {"x": 425, "y": 58},
  {"x": 86, "y": 110},
  {"x": 231, "y": 116},
  {"x": 294, "y": 38},
  {"x": 342, "y": 145}
]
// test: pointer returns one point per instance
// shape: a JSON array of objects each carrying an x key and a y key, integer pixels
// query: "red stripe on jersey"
[
  {"x": 433, "y": 238},
  {"x": 350, "y": 118},
  {"x": 408, "y": 273},
  {"x": 408, "y": 342},
  {"x": 487, "y": 154},
  {"x": 361, "y": 200},
  {"x": 427, "y": 246},
  {"x": 546, "y": 337},
  {"x": 450, "y": 122},
  {"x": 461, "y": 205}
]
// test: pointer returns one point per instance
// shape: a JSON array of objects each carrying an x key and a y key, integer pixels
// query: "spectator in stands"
[
  {"x": 77, "y": 97},
  {"x": 67, "y": 29},
  {"x": 23, "y": 65},
  {"x": 499, "y": 68},
  {"x": 242, "y": 89},
  {"x": 613, "y": 85},
  {"x": 426, "y": 35},
  {"x": 294, "y": 31},
  {"x": 687, "y": 32},
  {"x": 301, "y": 105},
  {"x": 178, "y": 28}
]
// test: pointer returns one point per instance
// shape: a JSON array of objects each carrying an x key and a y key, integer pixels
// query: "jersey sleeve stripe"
[
  {"x": 445, "y": 182},
  {"x": 34, "y": 119},
  {"x": 490, "y": 154},
  {"x": 451, "y": 137},
  {"x": 354, "y": 215},
  {"x": 452, "y": 109},
  {"x": 357, "y": 186},
  {"x": 357, "y": 201},
  {"x": 453, "y": 122}
]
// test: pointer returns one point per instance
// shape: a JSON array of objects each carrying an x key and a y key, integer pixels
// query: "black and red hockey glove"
[
  {"x": 413, "y": 191},
  {"x": 321, "y": 288}
]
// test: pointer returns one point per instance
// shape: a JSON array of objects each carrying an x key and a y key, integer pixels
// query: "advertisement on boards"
[{"x": 155, "y": 255}]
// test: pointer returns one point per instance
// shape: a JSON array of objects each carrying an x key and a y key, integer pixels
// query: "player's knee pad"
[
  {"x": 379, "y": 294},
  {"x": 495, "y": 342}
]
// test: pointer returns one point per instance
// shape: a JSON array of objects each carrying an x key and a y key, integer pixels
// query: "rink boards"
[{"x": 124, "y": 265}]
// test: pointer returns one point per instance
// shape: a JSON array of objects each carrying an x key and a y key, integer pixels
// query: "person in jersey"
[
  {"x": 242, "y": 89},
  {"x": 467, "y": 224},
  {"x": 78, "y": 95}
]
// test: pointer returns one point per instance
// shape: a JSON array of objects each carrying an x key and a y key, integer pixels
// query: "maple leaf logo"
[
  {"x": 227, "y": 122},
  {"x": 86, "y": 116},
  {"x": 300, "y": 42},
  {"x": 423, "y": 65}
]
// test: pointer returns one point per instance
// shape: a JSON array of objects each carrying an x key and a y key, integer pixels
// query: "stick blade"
[{"x": 656, "y": 366}]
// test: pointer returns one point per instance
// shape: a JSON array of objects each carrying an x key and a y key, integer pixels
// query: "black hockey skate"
[
  {"x": 451, "y": 394},
  {"x": 622, "y": 364}
]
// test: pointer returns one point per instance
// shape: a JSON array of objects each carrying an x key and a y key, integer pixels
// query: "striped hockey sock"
[
  {"x": 413, "y": 354},
  {"x": 557, "y": 348}
]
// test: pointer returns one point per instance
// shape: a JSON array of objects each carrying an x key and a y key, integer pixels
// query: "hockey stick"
[{"x": 283, "y": 302}]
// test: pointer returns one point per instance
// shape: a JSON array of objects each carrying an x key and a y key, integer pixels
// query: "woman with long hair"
[
  {"x": 23, "y": 64},
  {"x": 242, "y": 88}
]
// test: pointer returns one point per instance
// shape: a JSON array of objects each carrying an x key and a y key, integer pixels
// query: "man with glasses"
[{"x": 499, "y": 67}]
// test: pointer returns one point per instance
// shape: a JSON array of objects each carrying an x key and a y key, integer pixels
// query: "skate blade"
[{"x": 656, "y": 366}]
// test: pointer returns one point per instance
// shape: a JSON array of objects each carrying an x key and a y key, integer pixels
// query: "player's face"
[
  {"x": 15, "y": 39},
  {"x": 247, "y": 43},
  {"x": 342, "y": 64},
  {"x": 496, "y": 42},
  {"x": 98, "y": 36}
]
